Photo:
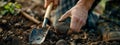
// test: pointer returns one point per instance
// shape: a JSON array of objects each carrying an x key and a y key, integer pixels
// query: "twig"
[{"x": 30, "y": 17}]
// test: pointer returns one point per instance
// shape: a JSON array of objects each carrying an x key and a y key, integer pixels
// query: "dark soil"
[{"x": 15, "y": 30}]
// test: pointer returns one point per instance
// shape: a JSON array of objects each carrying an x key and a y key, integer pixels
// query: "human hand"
[
  {"x": 47, "y": 2},
  {"x": 78, "y": 16}
]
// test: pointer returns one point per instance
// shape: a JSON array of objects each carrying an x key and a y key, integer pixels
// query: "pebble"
[
  {"x": 61, "y": 42},
  {"x": 33, "y": 26},
  {"x": 72, "y": 43},
  {"x": 1, "y": 16},
  {"x": 17, "y": 24},
  {"x": 1, "y": 30},
  {"x": 10, "y": 32},
  {"x": 4, "y": 21},
  {"x": 75, "y": 36},
  {"x": 20, "y": 37},
  {"x": 19, "y": 32}
]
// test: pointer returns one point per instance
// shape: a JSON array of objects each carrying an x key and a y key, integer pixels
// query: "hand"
[
  {"x": 47, "y": 2},
  {"x": 78, "y": 16}
]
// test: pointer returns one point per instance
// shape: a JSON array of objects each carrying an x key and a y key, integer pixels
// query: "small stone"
[
  {"x": 1, "y": 30},
  {"x": 33, "y": 26},
  {"x": 12, "y": 35},
  {"x": 10, "y": 32},
  {"x": 19, "y": 32},
  {"x": 1, "y": 16},
  {"x": 4, "y": 21},
  {"x": 61, "y": 42},
  {"x": 94, "y": 43},
  {"x": 20, "y": 37},
  {"x": 2, "y": 3},
  {"x": 72, "y": 43},
  {"x": 25, "y": 32},
  {"x": 17, "y": 24},
  {"x": 75, "y": 36}
]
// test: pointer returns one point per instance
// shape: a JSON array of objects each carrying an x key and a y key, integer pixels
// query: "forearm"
[{"x": 85, "y": 3}]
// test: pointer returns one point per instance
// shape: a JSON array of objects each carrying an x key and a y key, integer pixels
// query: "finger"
[
  {"x": 45, "y": 5},
  {"x": 66, "y": 15},
  {"x": 81, "y": 23},
  {"x": 56, "y": 2},
  {"x": 79, "y": 26},
  {"x": 47, "y": 2},
  {"x": 73, "y": 24}
]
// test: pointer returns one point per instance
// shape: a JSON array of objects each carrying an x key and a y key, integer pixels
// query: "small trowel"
[{"x": 37, "y": 36}]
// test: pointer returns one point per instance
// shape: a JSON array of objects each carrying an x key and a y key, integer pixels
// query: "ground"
[{"x": 15, "y": 30}]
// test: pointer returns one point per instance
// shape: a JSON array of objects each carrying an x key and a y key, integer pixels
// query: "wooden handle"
[
  {"x": 49, "y": 8},
  {"x": 47, "y": 14}
]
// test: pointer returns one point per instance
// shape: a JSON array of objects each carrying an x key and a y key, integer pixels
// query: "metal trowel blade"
[{"x": 37, "y": 36}]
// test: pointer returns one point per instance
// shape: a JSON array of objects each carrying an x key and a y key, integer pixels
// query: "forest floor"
[{"x": 15, "y": 30}]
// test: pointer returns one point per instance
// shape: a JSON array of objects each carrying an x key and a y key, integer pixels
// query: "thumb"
[
  {"x": 45, "y": 4},
  {"x": 66, "y": 15}
]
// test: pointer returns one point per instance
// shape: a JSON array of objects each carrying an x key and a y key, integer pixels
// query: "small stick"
[{"x": 30, "y": 17}]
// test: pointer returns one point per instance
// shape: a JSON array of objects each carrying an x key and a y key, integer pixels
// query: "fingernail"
[{"x": 59, "y": 20}]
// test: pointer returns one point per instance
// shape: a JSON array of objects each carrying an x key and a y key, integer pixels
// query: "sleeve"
[{"x": 94, "y": 5}]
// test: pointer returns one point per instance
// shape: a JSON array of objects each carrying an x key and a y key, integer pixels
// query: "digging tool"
[{"x": 37, "y": 36}]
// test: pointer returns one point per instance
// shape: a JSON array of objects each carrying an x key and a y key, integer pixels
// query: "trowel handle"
[
  {"x": 47, "y": 14},
  {"x": 49, "y": 8}
]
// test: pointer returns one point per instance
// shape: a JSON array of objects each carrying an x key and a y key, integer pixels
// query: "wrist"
[{"x": 85, "y": 4}]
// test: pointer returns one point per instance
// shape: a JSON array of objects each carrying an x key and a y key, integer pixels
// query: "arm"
[{"x": 85, "y": 3}]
